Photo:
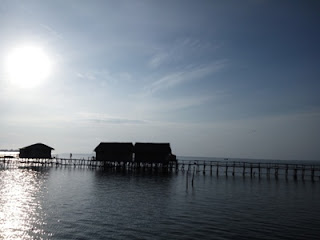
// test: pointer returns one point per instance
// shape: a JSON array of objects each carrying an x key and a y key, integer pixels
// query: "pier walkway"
[{"x": 223, "y": 167}]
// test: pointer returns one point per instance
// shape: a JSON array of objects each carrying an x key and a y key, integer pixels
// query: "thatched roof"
[
  {"x": 38, "y": 145},
  {"x": 114, "y": 147},
  {"x": 152, "y": 148}
]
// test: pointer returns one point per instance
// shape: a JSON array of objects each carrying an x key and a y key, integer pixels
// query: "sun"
[{"x": 28, "y": 66}]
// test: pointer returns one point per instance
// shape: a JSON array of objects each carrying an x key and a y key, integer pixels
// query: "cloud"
[
  {"x": 51, "y": 31},
  {"x": 181, "y": 51},
  {"x": 186, "y": 75},
  {"x": 181, "y": 103},
  {"x": 118, "y": 121},
  {"x": 104, "y": 118},
  {"x": 158, "y": 59},
  {"x": 165, "y": 109},
  {"x": 105, "y": 77}
]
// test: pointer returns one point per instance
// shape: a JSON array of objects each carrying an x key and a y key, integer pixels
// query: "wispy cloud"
[
  {"x": 155, "y": 109},
  {"x": 186, "y": 75},
  {"x": 104, "y": 76},
  {"x": 101, "y": 118},
  {"x": 158, "y": 59},
  {"x": 182, "y": 103},
  {"x": 180, "y": 51},
  {"x": 51, "y": 31},
  {"x": 118, "y": 121}
]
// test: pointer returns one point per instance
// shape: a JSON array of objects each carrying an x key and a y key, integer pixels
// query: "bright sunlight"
[{"x": 28, "y": 66}]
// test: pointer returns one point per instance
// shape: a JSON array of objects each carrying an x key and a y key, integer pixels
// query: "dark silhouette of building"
[
  {"x": 114, "y": 152},
  {"x": 38, "y": 150},
  {"x": 152, "y": 152}
]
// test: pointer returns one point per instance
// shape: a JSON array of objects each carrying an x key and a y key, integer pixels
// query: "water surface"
[{"x": 81, "y": 203}]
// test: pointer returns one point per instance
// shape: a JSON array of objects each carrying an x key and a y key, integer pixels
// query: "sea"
[{"x": 68, "y": 202}]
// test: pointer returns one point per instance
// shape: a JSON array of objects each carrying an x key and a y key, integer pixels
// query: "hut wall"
[
  {"x": 152, "y": 152},
  {"x": 114, "y": 152},
  {"x": 35, "y": 153},
  {"x": 151, "y": 157},
  {"x": 114, "y": 157},
  {"x": 23, "y": 153}
]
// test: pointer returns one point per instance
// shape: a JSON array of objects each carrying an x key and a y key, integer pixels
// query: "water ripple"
[{"x": 66, "y": 203}]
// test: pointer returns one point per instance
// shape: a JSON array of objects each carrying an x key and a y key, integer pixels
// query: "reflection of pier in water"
[{"x": 226, "y": 168}]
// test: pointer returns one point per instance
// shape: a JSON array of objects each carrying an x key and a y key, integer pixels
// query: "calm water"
[{"x": 80, "y": 203}]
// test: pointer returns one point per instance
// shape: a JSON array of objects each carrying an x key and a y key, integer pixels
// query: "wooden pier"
[
  {"x": 253, "y": 169},
  {"x": 226, "y": 168}
]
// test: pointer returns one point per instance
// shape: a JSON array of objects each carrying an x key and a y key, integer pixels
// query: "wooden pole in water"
[
  {"x": 268, "y": 170},
  {"x": 194, "y": 169},
  {"x": 217, "y": 168},
  {"x": 312, "y": 173},
  {"x": 244, "y": 169},
  {"x": 227, "y": 169},
  {"x": 295, "y": 173},
  {"x": 187, "y": 180},
  {"x": 233, "y": 168}
]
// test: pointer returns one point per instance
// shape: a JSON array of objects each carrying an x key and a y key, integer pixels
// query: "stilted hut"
[
  {"x": 38, "y": 150},
  {"x": 114, "y": 152},
  {"x": 152, "y": 152}
]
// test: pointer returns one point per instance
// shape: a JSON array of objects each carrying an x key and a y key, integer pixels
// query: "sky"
[{"x": 237, "y": 79}]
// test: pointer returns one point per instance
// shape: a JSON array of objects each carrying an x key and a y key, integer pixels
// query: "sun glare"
[{"x": 28, "y": 66}]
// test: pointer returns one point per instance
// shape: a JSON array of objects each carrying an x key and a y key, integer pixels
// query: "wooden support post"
[
  {"x": 302, "y": 173},
  {"x": 187, "y": 179},
  {"x": 312, "y": 174},
  {"x": 233, "y": 168},
  {"x": 244, "y": 169},
  {"x": 259, "y": 169},
  {"x": 193, "y": 176},
  {"x": 251, "y": 170},
  {"x": 287, "y": 170},
  {"x": 295, "y": 173},
  {"x": 227, "y": 169},
  {"x": 217, "y": 168}
]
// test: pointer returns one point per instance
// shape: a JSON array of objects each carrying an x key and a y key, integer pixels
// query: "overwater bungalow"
[
  {"x": 38, "y": 150},
  {"x": 114, "y": 152},
  {"x": 152, "y": 152}
]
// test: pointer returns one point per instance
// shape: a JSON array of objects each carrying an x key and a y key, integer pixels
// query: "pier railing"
[{"x": 252, "y": 168}]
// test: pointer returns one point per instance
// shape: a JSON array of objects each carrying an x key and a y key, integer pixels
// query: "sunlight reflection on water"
[
  {"x": 79, "y": 203},
  {"x": 20, "y": 206}
]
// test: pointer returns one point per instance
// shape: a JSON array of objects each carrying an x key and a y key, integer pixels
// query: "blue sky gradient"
[{"x": 214, "y": 78}]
